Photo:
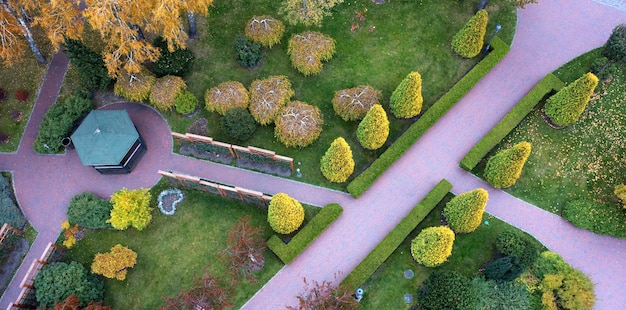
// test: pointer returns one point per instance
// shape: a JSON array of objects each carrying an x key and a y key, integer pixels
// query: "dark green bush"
[
  {"x": 615, "y": 46},
  {"x": 501, "y": 295},
  {"x": 511, "y": 243},
  {"x": 90, "y": 211},
  {"x": 178, "y": 62},
  {"x": 59, "y": 122},
  {"x": 448, "y": 290},
  {"x": 10, "y": 213},
  {"x": 57, "y": 281},
  {"x": 238, "y": 124},
  {"x": 506, "y": 269},
  {"x": 248, "y": 52},
  {"x": 601, "y": 219},
  {"x": 89, "y": 64}
]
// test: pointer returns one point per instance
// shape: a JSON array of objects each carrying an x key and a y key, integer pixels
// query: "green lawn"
[
  {"x": 174, "y": 250},
  {"x": 386, "y": 287},
  {"x": 407, "y": 36},
  {"x": 583, "y": 161}
]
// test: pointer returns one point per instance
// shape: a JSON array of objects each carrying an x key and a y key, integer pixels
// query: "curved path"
[{"x": 548, "y": 35}]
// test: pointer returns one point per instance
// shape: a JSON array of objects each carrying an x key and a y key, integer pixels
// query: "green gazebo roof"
[{"x": 104, "y": 137}]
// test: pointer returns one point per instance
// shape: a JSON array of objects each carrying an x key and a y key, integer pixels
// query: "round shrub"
[
  {"x": 464, "y": 212},
  {"x": 178, "y": 62},
  {"x": 135, "y": 87},
  {"x": 504, "y": 168},
  {"x": 469, "y": 40},
  {"x": 307, "y": 51},
  {"x": 448, "y": 290},
  {"x": 248, "y": 53},
  {"x": 265, "y": 30},
  {"x": 186, "y": 102},
  {"x": 615, "y": 47},
  {"x": 298, "y": 124},
  {"x": 268, "y": 96},
  {"x": 406, "y": 100},
  {"x": 337, "y": 164},
  {"x": 56, "y": 281},
  {"x": 353, "y": 103},
  {"x": 565, "y": 107},
  {"x": 226, "y": 96},
  {"x": 238, "y": 124},
  {"x": 284, "y": 214},
  {"x": 114, "y": 264},
  {"x": 505, "y": 269},
  {"x": 165, "y": 90},
  {"x": 433, "y": 246},
  {"x": 89, "y": 211},
  {"x": 373, "y": 130},
  {"x": 510, "y": 243}
]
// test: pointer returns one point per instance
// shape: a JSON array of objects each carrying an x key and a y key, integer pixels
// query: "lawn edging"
[
  {"x": 364, "y": 180},
  {"x": 287, "y": 252},
  {"x": 395, "y": 237},
  {"x": 548, "y": 84}
]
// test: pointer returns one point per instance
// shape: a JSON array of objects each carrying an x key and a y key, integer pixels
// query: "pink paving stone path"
[{"x": 548, "y": 35}]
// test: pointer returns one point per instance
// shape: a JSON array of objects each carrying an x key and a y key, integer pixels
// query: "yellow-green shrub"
[
  {"x": 406, "y": 100},
  {"x": 165, "y": 90},
  {"x": 353, "y": 103},
  {"x": 469, "y": 40},
  {"x": 565, "y": 107},
  {"x": 114, "y": 264},
  {"x": 433, "y": 246},
  {"x": 265, "y": 30},
  {"x": 298, "y": 124},
  {"x": 226, "y": 96},
  {"x": 284, "y": 214},
  {"x": 373, "y": 130},
  {"x": 130, "y": 208},
  {"x": 307, "y": 51},
  {"x": 135, "y": 87},
  {"x": 268, "y": 96},
  {"x": 464, "y": 213},
  {"x": 337, "y": 163},
  {"x": 504, "y": 168}
]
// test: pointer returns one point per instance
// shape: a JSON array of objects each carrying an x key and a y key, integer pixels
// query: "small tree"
[
  {"x": 373, "y": 130},
  {"x": 469, "y": 40},
  {"x": 325, "y": 295},
  {"x": 226, "y": 96},
  {"x": 565, "y": 107},
  {"x": 265, "y": 30},
  {"x": 268, "y": 96},
  {"x": 89, "y": 65},
  {"x": 353, "y": 103},
  {"x": 207, "y": 293},
  {"x": 406, "y": 100},
  {"x": 284, "y": 214},
  {"x": 89, "y": 211},
  {"x": 130, "y": 208},
  {"x": 244, "y": 252},
  {"x": 72, "y": 302},
  {"x": 615, "y": 47},
  {"x": 504, "y": 168},
  {"x": 307, "y": 51},
  {"x": 337, "y": 164},
  {"x": 238, "y": 124},
  {"x": 448, "y": 290},
  {"x": 464, "y": 212},
  {"x": 433, "y": 246},
  {"x": 307, "y": 12},
  {"x": 510, "y": 243},
  {"x": 298, "y": 124},
  {"x": 114, "y": 264},
  {"x": 186, "y": 102},
  {"x": 134, "y": 87},
  {"x": 57, "y": 281},
  {"x": 165, "y": 90}
]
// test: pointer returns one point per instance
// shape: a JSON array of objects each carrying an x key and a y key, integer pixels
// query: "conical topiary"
[
  {"x": 504, "y": 168},
  {"x": 469, "y": 40},
  {"x": 284, "y": 214},
  {"x": 337, "y": 163},
  {"x": 465, "y": 211},
  {"x": 432, "y": 246},
  {"x": 373, "y": 130},
  {"x": 406, "y": 100},
  {"x": 565, "y": 107}
]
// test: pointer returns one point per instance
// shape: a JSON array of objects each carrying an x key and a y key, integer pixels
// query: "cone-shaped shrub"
[
  {"x": 226, "y": 96},
  {"x": 406, "y": 101},
  {"x": 615, "y": 47},
  {"x": 265, "y": 30},
  {"x": 565, "y": 107},
  {"x": 353, "y": 103},
  {"x": 433, "y": 246},
  {"x": 165, "y": 90},
  {"x": 284, "y": 214},
  {"x": 298, "y": 124},
  {"x": 135, "y": 87},
  {"x": 374, "y": 128},
  {"x": 337, "y": 163},
  {"x": 465, "y": 211},
  {"x": 504, "y": 168},
  {"x": 469, "y": 40}
]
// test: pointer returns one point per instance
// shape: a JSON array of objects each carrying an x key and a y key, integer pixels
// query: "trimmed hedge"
[
  {"x": 395, "y": 237},
  {"x": 310, "y": 232},
  {"x": 363, "y": 181},
  {"x": 547, "y": 85}
]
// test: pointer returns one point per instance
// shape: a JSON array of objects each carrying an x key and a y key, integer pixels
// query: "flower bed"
[{"x": 168, "y": 199}]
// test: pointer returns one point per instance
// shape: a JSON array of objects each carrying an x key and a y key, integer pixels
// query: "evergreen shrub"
[
  {"x": 186, "y": 102},
  {"x": 285, "y": 214},
  {"x": 337, "y": 164},
  {"x": 433, "y": 246},
  {"x": 373, "y": 130},
  {"x": 448, "y": 290},
  {"x": 59, "y": 122},
  {"x": 565, "y": 107},
  {"x": 248, "y": 53},
  {"x": 89, "y": 211},
  {"x": 469, "y": 40},
  {"x": 238, "y": 124},
  {"x": 464, "y": 213},
  {"x": 89, "y": 65},
  {"x": 406, "y": 100},
  {"x": 178, "y": 62}
]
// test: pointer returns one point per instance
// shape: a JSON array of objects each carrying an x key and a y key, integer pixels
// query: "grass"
[
  {"x": 174, "y": 250},
  {"x": 583, "y": 161},
  {"x": 381, "y": 58},
  {"x": 387, "y": 286},
  {"x": 26, "y": 75}
]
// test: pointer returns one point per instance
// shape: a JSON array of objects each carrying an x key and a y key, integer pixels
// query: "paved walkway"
[{"x": 548, "y": 35}]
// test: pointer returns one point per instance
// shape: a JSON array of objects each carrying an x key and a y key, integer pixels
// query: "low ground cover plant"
[{"x": 504, "y": 168}]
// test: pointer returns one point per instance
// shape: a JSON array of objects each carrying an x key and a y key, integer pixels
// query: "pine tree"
[
  {"x": 469, "y": 40},
  {"x": 374, "y": 128},
  {"x": 130, "y": 208},
  {"x": 565, "y": 107},
  {"x": 337, "y": 163},
  {"x": 406, "y": 100},
  {"x": 504, "y": 168},
  {"x": 464, "y": 212}
]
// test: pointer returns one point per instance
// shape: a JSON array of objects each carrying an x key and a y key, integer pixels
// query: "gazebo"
[{"x": 108, "y": 141}]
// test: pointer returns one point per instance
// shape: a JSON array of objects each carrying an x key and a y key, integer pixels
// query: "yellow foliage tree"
[
  {"x": 469, "y": 40},
  {"x": 130, "y": 208},
  {"x": 135, "y": 87},
  {"x": 307, "y": 51},
  {"x": 268, "y": 96},
  {"x": 115, "y": 264},
  {"x": 337, "y": 164},
  {"x": 226, "y": 96},
  {"x": 284, "y": 214},
  {"x": 373, "y": 130},
  {"x": 353, "y": 103},
  {"x": 504, "y": 168},
  {"x": 433, "y": 246},
  {"x": 406, "y": 100},
  {"x": 464, "y": 212},
  {"x": 298, "y": 124},
  {"x": 265, "y": 30}
]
